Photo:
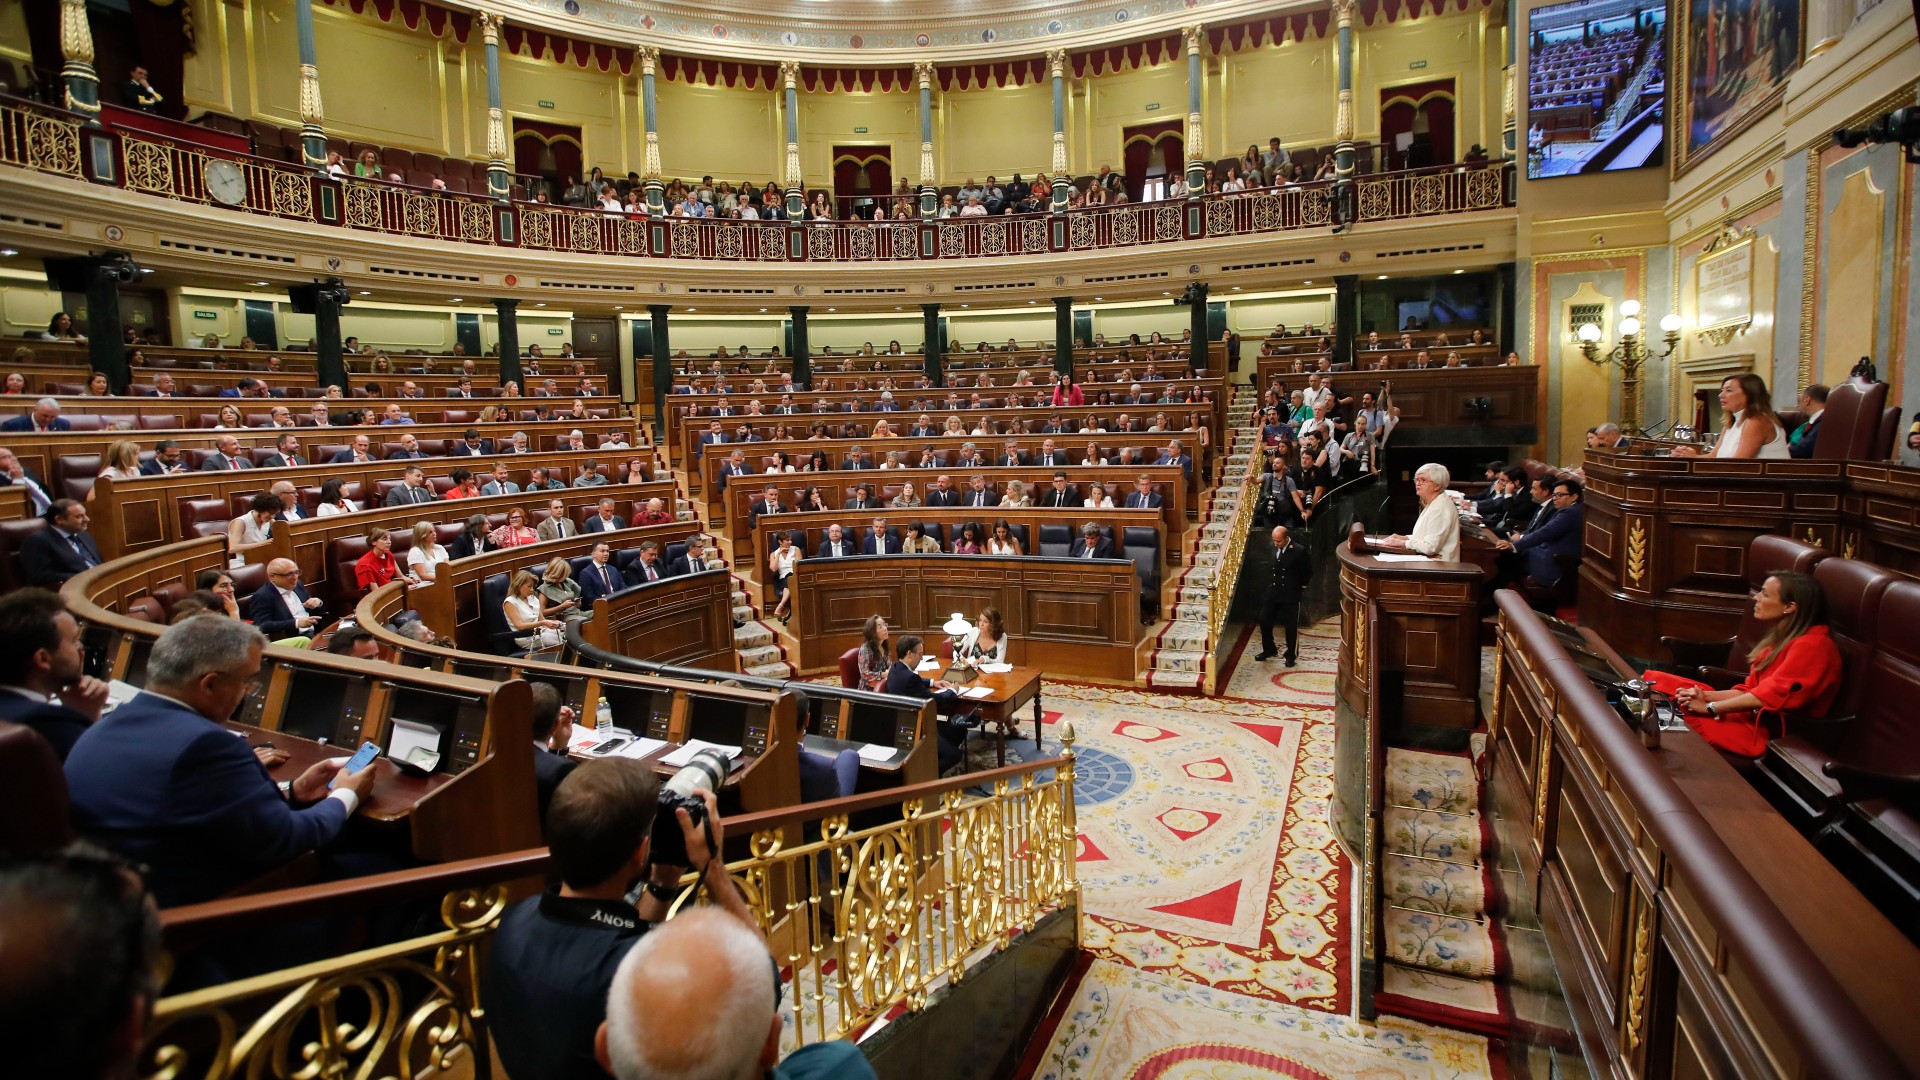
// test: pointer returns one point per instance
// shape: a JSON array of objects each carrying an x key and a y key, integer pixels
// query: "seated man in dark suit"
[
  {"x": 647, "y": 568},
  {"x": 167, "y": 458},
  {"x": 39, "y": 498},
  {"x": 1060, "y": 494},
  {"x": 604, "y": 519},
  {"x": 836, "y": 545},
  {"x": 550, "y": 765},
  {"x": 1175, "y": 455},
  {"x": 736, "y": 465},
  {"x": 942, "y": 492},
  {"x": 862, "y": 499},
  {"x": 162, "y": 781},
  {"x": 879, "y": 541},
  {"x": 1012, "y": 455},
  {"x": 903, "y": 679},
  {"x": 767, "y": 504},
  {"x": 470, "y": 444},
  {"x": 977, "y": 493},
  {"x": 54, "y": 554},
  {"x": 1091, "y": 544},
  {"x": 282, "y": 608},
  {"x": 600, "y": 577},
  {"x": 44, "y": 416},
  {"x": 693, "y": 562},
  {"x": 286, "y": 453},
  {"x": 1561, "y": 535},
  {"x": 42, "y": 684},
  {"x": 1144, "y": 497},
  {"x": 228, "y": 455}
]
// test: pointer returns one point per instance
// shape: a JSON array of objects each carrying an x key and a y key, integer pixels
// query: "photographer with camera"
[{"x": 554, "y": 957}]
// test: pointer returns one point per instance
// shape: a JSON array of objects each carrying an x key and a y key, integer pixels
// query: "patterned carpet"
[{"x": 1216, "y": 898}]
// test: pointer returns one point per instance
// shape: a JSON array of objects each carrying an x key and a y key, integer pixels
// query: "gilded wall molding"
[{"x": 1809, "y": 276}]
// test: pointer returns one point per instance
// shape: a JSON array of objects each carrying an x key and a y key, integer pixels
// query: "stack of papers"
[
  {"x": 977, "y": 692},
  {"x": 640, "y": 747},
  {"x": 693, "y": 746},
  {"x": 1401, "y": 558},
  {"x": 996, "y": 669},
  {"x": 929, "y": 663},
  {"x": 876, "y": 752}
]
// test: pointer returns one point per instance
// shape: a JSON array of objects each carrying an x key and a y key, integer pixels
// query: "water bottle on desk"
[{"x": 603, "y": 719}]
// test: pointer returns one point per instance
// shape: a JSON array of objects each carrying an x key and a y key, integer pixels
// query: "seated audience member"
[
  {"x": 535, "y": 632},
  {"x": 413, "y": 490},
  {"x": 1795, "y": 669},
  {"x": 1016, "y": 497},
  {"x": 82, "y": 961},
  {"x": 700, "y": 997},
  {"x": 331, "y": 500},
  {"x": 1813, "y": 405},
  {"x": 465, "y": 485},
  {"x": 1607, "y": 437},
  {"x": 878, "y": 541},
  {"x": 53, "y": 554},
  {"x": 1561, "y": 535},
  {"x": 693, "y": 562},
  {"x": 1753, "y": 430},
  {"x": 1003, "y": 542},
  {"x": 166, "y": 459},
  {"x": 1091, "y": 544},
  {"x": 42, "y": 682},
  {"x": 589, "y": 475},
  {"x": 969, "y": 541},
  {"x": 903, "y": 678},
  {"x": 356, "y": 643},
  {"x": 550, "y": 765},
  {"x": 1436, "y": 534},
  {"x": 255, "y": 527},
  {"x": 426, "y": 556},
  {"x": 780, "y": 563},
  {"x": 44, "y": 416},
  {"x": 515, "y": 533},
  {"x": 559, "y": 593},
  {"x": 604, "y": 519},
  {"x": 986, "y": 643},
  {"x": 835, "y": 545},
  {"x": 498, "y": 482},
  {"x": 163, "y": 782},
  {"x": 378, "y": 566},
  {"x": 648, "y": 566},
  {"x": 917, "y": 543},
  {"x": 554, "y": 956}
]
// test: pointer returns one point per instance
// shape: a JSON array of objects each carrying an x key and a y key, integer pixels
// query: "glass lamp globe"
[
  {"x": 1629, "y": 326},
  {"x": 1589, "y": 332},
  {"x": 1629, "y": 308},
  {"x": 1670, "y": 324}
]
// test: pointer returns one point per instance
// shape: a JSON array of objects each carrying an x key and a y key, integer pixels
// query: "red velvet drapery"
[
  {"x": 861, "y": 172},
  {"x": 549, "y": 150},
  {"x": 1401, "y": 106},
  {"x": 1141, "y": 145}
]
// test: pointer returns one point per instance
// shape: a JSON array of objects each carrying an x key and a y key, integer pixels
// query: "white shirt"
[
  {"x": 1437, "y": 532},
  {"x": 426, "y": 558},
  {"x": 1773, "y": 449},
  {"x": 328, "y": 509}
]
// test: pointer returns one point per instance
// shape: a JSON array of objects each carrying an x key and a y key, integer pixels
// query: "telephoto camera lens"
[{"x": 705, "y": 772}]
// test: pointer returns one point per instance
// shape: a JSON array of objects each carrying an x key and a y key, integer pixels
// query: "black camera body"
[{"x": 706, "y": 772}]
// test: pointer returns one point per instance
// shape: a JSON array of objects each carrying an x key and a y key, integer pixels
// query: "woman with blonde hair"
[
  {"x": 229, "y": 419},
  {"x": 1017, "y": 497},
  {"x": 426, "y": 555},
  {"x": 559, "y": 593},
  {"x": 122, "y": 462},
  {"x": 537, "y": 633}
]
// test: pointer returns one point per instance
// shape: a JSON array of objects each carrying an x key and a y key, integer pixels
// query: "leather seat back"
[
  {"x": 343, "y": 585},
  {"x": 1055, "y": 541},
  {"x": 1854, "y": 591},
  {"x": 33, "y": 794},
  {"x": 157, "y": 421},
  {"x": 1851, "y": 424},
  {"x": 493, "y": 595},
  {"x": 850, "y": 668},
  {"x": 1886, "y": 736}
]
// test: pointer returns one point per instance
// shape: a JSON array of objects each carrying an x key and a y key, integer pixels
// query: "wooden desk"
[
  {"x": 830, "y": 747},
  {"x": 1011, "y": 690},
  {"x": 394, "y": 792},
  {"x": 1079, "y": 616}
]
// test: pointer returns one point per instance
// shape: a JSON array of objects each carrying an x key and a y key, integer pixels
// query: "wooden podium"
[{"x": 1409, "y": 676}]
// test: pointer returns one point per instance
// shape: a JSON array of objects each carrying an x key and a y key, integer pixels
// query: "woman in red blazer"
[
  {"x": 1794, "y": 669},
  {"x": 1066, "y": 392},
  {"x": 378, "y": 566}
]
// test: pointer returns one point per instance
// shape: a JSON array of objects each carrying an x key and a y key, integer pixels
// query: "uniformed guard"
[{"x": 1292, "y": 569}]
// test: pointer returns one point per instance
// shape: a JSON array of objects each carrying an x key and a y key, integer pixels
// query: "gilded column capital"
[
  {"x": 312, "y": 114},
  {"x": 1056, "y": 63},
  {"x": 789, "y": 74},
  {"x": 1343, "y": 12},
  {"x": 649, "y": 58},
  {"x": 490, "y": 24},
  {"x": 76, "y": 36},
  {"x": 1194, "y": 35},
  {"x": 923, "y": 73}
]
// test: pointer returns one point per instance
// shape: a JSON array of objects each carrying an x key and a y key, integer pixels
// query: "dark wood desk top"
[
  {"x": 394, "y": 792},
  {"x": 1010, "y": 688}
]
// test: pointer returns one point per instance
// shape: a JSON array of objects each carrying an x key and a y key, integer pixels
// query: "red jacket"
[{"x": 1071, "y": 398}]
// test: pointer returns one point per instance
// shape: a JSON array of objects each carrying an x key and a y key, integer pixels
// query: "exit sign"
[
  {"x": 859, "y": 131},
  {"x": 546, "y": 104},
  {"x": 1153, "y": 106},
  {"x": 1417, "y": 65},
  {"x": 201, "y": 314},
  {"x": 554, "y": 331}
]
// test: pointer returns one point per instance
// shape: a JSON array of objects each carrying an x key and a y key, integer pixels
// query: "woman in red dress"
[
  {"x": 378, "y": 566},
  {"x": 1794, "y": 669}
]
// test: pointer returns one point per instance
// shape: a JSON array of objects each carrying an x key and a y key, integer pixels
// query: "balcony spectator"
[{"x": 61, "y": 328}]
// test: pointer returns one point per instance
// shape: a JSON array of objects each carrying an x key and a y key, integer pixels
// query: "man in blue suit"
[
  {"x": 1560, "y": 535},
  {"x": 1144, "y": 497},
  {"x": 600, "y": 577},
  {"x": 282, "y": 608},
  {"x": 45, "y": 416},
  {"x": 903, "y": 678},
  {"x": 1091, "y": 544},
  {"x": 164, "y": 783},
  {"x": 42, "y": 682},
  {"x": 879, "y": 541}
]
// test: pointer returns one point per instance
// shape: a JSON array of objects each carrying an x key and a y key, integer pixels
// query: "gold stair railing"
[
  {"x": 860, "y": 920},
  {"x": 1220, "y": 599}
]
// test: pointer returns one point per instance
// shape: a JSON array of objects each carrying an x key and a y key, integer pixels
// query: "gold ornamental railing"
[
  {"x": 1227, "y": 573},
  {"x": 860, "y": 920},
  {"x": 35, "y": 139}
]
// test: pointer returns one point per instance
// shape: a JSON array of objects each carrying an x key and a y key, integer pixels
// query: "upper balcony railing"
[{"x": 50, "y": 141}]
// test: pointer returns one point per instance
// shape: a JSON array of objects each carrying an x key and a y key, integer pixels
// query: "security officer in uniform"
[{"x": 1292, "y": 569}]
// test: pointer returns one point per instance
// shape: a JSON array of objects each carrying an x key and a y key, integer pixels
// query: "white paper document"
[
  {"x": 1401, "y": 558},
  {"x": 693, "y": 746},
  {"x": 977, "y": 692},
  {"x": 928, "y": 663},
  {"x": 416, "y": 744},
  {"x": 996, "y": 669},
  {"x": 875, "y": 752},
  {"x": 640, "y": 747}
]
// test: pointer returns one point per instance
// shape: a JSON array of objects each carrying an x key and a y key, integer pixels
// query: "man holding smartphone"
[{"x": 162, "y": 781}]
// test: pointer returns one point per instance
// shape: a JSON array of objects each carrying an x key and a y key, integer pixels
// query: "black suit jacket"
[
  {"x": 48, "y": 560},
  {"x": 593, "y": 585},
  {"x": 847, "y": 547},
  {"x": 549, "y": 769},
  {"x": 949, "y": 497},
  {"x": 907, "y": 682},
  {"x": 1056, "y": 497},
  {"x": 1152, "y": 500},
  {"x": 59, "y": 725},
  {"x": 1102, "y": 549},
  {"x": 153, "y": 466},
  {"x": 266, "y": 610},
  {"x": 970, "y": 497},
  {"x": 683, "y": 566},
  {"x": 282, "y": 461},
  {"x": 1292, "y": 569},
  {"x": 597, "y": 524}
]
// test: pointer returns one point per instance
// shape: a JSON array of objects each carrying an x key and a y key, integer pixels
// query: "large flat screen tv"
[{"x": 1596, "y": 87}]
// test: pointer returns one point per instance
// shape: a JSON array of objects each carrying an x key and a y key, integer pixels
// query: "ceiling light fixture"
[
  {"x": 8, "y": 253},
  {"x": 366, "y": 292},
  {"x": 1459, "y": 271},
  {"x": 456, "y": 300},
  {"x": 1382, "y": 277},
  {"x": 259, "y": 284}
]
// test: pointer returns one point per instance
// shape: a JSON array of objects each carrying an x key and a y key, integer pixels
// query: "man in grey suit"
[
  {"x": 500, "y": 485},
  {"x": 227, "y": 456},
  {"x": 559, "y": 525},
  {"x": 286, "y": 453},
  {"x": 415, "y": 490}
]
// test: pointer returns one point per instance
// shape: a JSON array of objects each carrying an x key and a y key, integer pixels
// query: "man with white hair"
[
  {"x": 700, "y": 997},
  {"x": 45, "y": 416},
  {"x": 1437, "y": 532}
]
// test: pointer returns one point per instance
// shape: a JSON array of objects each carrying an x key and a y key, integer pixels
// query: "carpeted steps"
[
  {"x": 1178, "y": 660},
  {"x": 759, "y": 645},
  {"x": 1441, "y": 952}
]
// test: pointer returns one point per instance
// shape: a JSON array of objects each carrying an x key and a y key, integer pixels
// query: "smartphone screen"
[
  {"x": 608, "y": 747},
  {"x": 360, "y": 760}
]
